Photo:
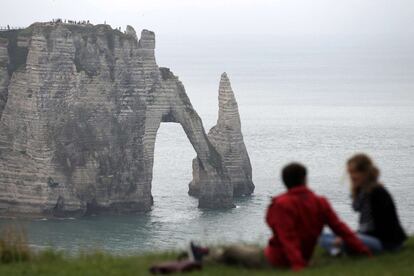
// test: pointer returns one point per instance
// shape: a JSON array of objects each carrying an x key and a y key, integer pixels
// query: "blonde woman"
[{"x": 379, "y": 226}]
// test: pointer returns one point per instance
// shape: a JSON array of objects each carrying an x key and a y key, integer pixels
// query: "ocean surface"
[{"x": 316, "y": 100}]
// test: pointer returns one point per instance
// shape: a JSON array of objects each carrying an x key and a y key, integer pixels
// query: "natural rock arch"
[{"x": 216, "y": 190}]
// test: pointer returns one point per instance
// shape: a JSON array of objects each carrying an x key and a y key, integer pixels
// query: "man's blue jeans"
[{"x": 326, "y": 241}]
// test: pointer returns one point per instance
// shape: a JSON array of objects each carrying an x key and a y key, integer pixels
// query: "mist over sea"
[{"x": 316, "y": 100}]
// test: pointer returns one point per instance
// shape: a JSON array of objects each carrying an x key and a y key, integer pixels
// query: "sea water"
[{"x": 316, "y": 100}]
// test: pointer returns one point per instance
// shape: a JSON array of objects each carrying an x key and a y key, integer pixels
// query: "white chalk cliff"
[{"x": 80, "y": 106}]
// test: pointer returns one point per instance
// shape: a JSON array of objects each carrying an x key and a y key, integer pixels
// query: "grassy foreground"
[{"x": 52, "y": 263}]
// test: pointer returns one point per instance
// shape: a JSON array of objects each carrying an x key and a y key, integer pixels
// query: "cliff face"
[
  {"x": 80, "y": 107},
  {"x": 4, "y": 75},
  {"x": 227, "y": 138}
]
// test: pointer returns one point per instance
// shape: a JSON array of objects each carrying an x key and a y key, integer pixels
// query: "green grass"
[{"x": 54, "y": 263}]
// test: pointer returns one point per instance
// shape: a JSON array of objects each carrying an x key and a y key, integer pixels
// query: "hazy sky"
[{"x": 225, "y": 16}]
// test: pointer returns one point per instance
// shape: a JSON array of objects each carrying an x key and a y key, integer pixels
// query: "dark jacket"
[{"x": 387, "y": 226}]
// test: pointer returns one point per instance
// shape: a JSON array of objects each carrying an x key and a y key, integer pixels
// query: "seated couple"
[{"x": 298, "y": 217}]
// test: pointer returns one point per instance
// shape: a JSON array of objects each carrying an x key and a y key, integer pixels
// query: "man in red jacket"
[{"x": 297, "y": 219}]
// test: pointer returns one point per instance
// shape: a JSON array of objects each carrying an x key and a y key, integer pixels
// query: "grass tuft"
[{"x": 13, "y": 245}]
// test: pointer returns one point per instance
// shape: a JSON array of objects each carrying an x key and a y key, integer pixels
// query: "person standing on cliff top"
[{"x": 296, "y": 218}]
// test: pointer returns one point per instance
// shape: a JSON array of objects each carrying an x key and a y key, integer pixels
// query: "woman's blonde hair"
[{"x": 363, "y": 163}]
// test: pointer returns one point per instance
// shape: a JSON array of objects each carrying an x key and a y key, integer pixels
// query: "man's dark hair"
[{"x": 294, "y": 174}]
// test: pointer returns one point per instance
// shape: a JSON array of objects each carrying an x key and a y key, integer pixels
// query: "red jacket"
[{"x": 297, "y": 219}]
